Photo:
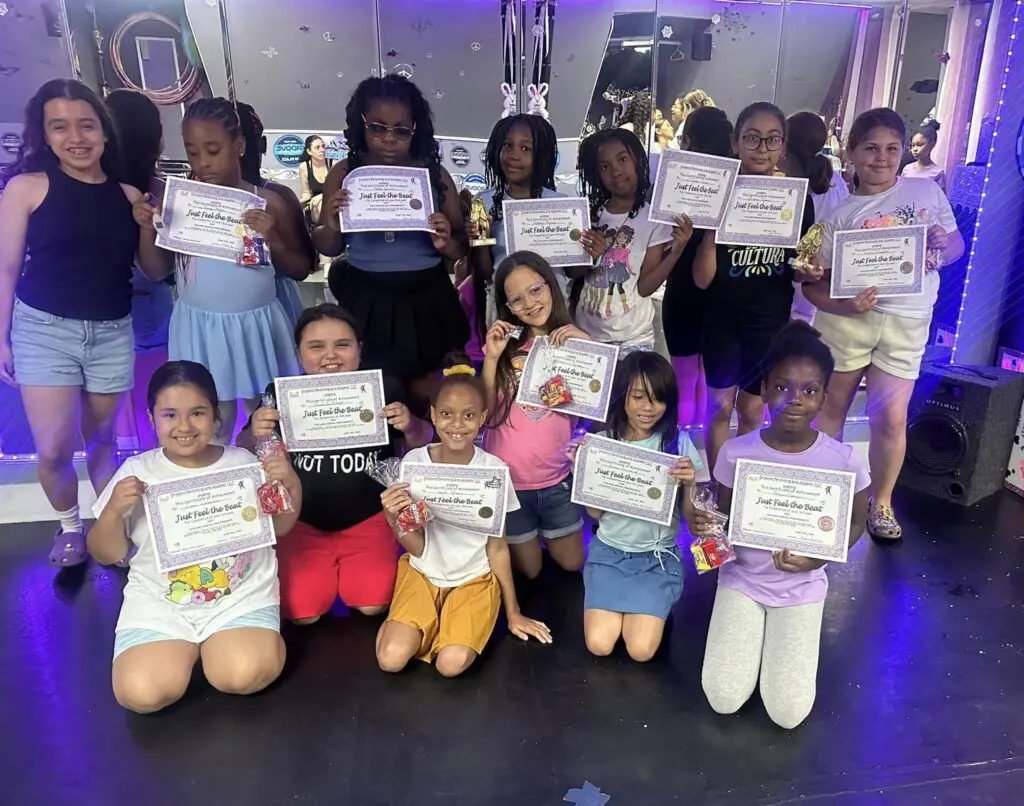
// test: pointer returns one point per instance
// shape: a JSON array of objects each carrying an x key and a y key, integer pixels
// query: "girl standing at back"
[
  {"x": 616, "y": 178},
  {"x": 227, "y": 316},
  {"x": 531, "y": 441},
  {"x": 633, "y": 576},
  {"x": 750, "y": 292},
  {"x": 921, "y": 147},
  {"x": 882, "y": 339},
  {"x": 396, "y": 283}
]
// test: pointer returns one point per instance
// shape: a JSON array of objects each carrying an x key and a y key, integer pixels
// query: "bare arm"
[
  {"x": 108, "y": 541},
  {"x": 501, "y": 566},
  {"x": 304, "y": 193},
  {"x": 152, "y": 261},
  {"x": 287, "y": 250},
  {"x": 705, "y": 264},
  {"x": 327, "y": 236},
  {"x": 458, "y": 245},
  {"x": 22, "y": 195},
  {"x": 657, "y": 266},
  {"x": 394, "y": 500},
  {"x": 859, "y": 518},
  {"x": 286, "y": 521}
]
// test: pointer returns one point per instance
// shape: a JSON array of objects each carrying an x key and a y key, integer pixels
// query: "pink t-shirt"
[
  {"x": 753, "y": 573},
  {"x": 531, "y": 441}
]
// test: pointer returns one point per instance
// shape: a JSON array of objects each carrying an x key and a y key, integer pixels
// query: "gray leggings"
[{"x": 747, "y": 640}]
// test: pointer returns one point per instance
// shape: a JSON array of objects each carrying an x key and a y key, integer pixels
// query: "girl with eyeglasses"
[
  {"x": 531, "y": 441},
  {"x": 396, "y": 283},
  {"x": 749, "y": 292}
]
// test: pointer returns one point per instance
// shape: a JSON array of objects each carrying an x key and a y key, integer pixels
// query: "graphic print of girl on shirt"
[{"x": 612, "y": 272}]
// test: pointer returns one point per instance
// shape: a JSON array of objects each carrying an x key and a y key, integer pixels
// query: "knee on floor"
[
  {"x": 373, "y": 610},
  {"x": 454, "y": 660},
  {"x": 601, "y": 642},
  {"x": 144, "y": 694},
  {"x": 244, "y": 673},
  {"x": 790, "y": 711},
  {"x": 391, "y": 657},
  {"x": 724, "y": 699},
  {"x": 642, "y": 651}
]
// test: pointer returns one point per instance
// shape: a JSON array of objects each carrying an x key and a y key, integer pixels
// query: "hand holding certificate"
[
  {"x": 388, "y": 198},
  {"x": 204, "y": 220},
  {"x": 549, "y": 227},
  {"x": 467, "y": 497},
  {"x": 805, "y": 510},
  {"x": 764, "y": 211},
  {"x": 586, "y": 368},
  {"x": 334, "y": 411},
  {"x": 692, "y": 184},
  {"x": 207, "y": 516},
  {"x": 891, "y": 259}
]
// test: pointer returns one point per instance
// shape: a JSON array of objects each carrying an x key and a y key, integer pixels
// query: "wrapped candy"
[
  {"x": 386, "y": 472},
  {"x": 515, "y": 332},
  {"x": 273, "y": 496},
  {"x": 713, "y": 550},
  {"x": 555, "y": 393},
  {"x": 255, "y": 251}
]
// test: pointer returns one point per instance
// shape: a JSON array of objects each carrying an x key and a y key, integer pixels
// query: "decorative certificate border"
[
  {"x": 464, "y": 473},
  {"x": 914, "y": 285},
  {"x": 671, "y": 156},
  {"x": 169, "y": 560},
  {"x": 172, "y": 187},
  {"x": 596, "y": 443},
  {"x": 295, "y": 445},
  {"x": 844, "y": 481},
  {"x": 415, "y": 223},
  {"x": 529, "y": 387},
  {"x": 784, "y": 241},
  {"x": 509, "y": 206}
]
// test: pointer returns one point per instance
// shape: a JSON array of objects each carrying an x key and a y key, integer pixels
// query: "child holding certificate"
[
  {"x": 766, "y": 622},
  {"x": 224, "y": 613},
  {"x": 451, "y": 581},
  {"x": 531, "y": 441},
  {"x": 750, "y": 292},
  {"x": 633, "y": 576},
  {"x": 882, "y": 339}
]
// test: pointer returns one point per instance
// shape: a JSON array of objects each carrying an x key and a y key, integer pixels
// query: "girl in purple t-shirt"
[{"x": 766, "y": 622}]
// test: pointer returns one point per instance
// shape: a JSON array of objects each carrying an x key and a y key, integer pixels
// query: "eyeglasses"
[
  {"x": 379, "y": 131},
  {"x": 752, "y": 142},
  {"x": 535, "y": 292}
]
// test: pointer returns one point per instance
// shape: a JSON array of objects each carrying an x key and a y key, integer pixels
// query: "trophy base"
[{"x": 483, "y": 242}]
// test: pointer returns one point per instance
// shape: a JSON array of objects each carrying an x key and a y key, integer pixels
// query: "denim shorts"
[
  {"x": 548, "y": 513},
  {"x": 50, "y": 350},
  {"x": 645, "y": 582}
]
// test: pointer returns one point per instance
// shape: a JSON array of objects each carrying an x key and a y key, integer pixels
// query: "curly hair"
[
  {"x": 590, "y": 177},
  {"x": 798, "y": 340},
  {"x": 545, "y": 154}
]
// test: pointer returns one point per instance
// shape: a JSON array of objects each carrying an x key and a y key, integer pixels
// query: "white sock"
[{"x": 71, "y": 520}]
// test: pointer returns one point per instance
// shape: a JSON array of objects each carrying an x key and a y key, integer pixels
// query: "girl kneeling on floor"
[
  {"x": 766, "y": 622},
  {"x": 451, "y": 581},
  {"x": 225, "y": 613},
  {"x": 633, "y": 576}
]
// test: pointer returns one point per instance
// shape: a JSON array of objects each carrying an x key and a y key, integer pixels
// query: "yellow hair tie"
[{"x": 459, "y": 369}]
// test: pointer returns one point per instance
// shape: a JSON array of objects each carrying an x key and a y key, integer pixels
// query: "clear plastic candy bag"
[
  {"x": 386, "y": 472},
  {"x": 712, "y": 550},
  {"x": 273, "y": 495}
]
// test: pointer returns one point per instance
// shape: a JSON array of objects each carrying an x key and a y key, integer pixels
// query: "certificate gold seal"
[
  {"x": 786, "y": 215},
  {"x": 249, "y": 514},
  {"x": 415, "y": 204},
  {"x": 906, "y": 267},
  {"x": 595, "y": 386},
  {"x": 575, "y": 234},
  {"x": 366, "y": 416},
  {"x": 486, "y": 512},
  {"x": 654, "y": 493}
]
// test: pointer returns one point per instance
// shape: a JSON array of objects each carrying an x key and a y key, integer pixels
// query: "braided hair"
[
  {"x": 255, "y": 144},
  {"x": 545, "y": 153},
  {"x": 423, "y": 147},
  {"x": 590, "y": 176}
]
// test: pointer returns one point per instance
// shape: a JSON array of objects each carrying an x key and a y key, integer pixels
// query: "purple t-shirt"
[{"x": 753, "y": 573}]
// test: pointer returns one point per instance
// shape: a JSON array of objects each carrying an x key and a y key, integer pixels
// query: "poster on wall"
[
  {"x": 285, "y": 150},
  {"x": 10, "y": 141}
]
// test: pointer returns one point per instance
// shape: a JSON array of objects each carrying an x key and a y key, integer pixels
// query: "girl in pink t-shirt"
[
  {"x": 531, "y": 441},
  {"x": 766, "y": 622}
]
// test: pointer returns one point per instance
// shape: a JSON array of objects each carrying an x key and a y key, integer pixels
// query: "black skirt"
[
  {"x": 408, "y": 320},
  {"x": 682, "y": 311}
]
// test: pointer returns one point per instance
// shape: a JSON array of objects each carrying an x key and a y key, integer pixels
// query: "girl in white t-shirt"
[
  {"x": 881, "y": 338},
  {"x": 452, "y": 580},
  {"x": 224, "y": 612},
  {"x": 616, "y": 177}
]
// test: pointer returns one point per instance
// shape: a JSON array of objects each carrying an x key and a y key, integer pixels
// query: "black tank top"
[
  {"x": 316, "y": 187},
  {"x": 79, "y": 250}
]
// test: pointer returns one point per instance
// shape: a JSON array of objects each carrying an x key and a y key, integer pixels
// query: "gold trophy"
[
  {"x": 478, "y": 214},
  {"x": 807, "y": 249}
]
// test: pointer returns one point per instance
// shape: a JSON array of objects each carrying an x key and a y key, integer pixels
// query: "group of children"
[{"x": 443, "y": 587}]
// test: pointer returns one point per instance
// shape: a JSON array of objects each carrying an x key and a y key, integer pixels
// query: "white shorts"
[{"x": 894, "y": 344}]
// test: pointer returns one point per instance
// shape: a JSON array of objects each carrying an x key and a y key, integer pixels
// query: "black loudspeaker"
[
  {"x": 700, "y": 46},
  {"x": 960, "y": 431}
]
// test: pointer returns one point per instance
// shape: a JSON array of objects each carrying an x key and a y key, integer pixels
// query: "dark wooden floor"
[{"x": 921, "y": 700}]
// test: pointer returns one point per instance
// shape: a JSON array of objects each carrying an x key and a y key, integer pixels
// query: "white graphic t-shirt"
[
  {"x": 610, "y": 309},
  {"x": 909, "y": 202}
]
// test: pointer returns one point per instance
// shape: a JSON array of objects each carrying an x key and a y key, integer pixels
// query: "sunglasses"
[{"x": 379, "y": 131}]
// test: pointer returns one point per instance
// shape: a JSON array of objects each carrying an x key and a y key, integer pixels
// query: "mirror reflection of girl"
[
  {"x": 921, "y": 146},
  {"x": 749, "y": 292},
  {"x": 223, "y": 613},
  {"x": 396, "y": 284},
  {"x": 313, "y": 169},
  {"x": 227, "y": 316},
  {"x": 666, "y": 133},
  {"x": 882, "y": 340},
  {"x": 66, "y": 343},
  {"x": 685, "y": 105}
]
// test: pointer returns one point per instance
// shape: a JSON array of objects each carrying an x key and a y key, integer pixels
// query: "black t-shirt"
[
  {"x": 753, "y": 285},
  {"x": 336, "y": 491}
]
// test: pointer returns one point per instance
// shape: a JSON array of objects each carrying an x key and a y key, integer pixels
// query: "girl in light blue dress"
[{"x": 227, "y": 316}]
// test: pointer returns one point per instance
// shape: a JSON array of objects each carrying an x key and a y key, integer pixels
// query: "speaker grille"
[{"x": 936, "y": 443}]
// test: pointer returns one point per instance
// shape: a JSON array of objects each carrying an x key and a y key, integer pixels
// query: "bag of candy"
[
  {"x": 713, "y": 550},
  {"x": 386, "y": 472},
  {"x": 273, "y": 495}
]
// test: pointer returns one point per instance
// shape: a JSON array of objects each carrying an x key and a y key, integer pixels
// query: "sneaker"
[{"x": 882, "y": 523}]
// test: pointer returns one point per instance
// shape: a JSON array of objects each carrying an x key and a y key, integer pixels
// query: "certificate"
[
  {"x": 207, "y": 516},
  {"x": 891, "y": 259},
  {"x": 467, "y": 497},
  {"x": 587, "y": 367},
  {"x": 806, "y": 510},
  {"x": 616, "y": 476},
  {"x": 698, "y": 185},
  {"x": 549, "y": 227},
  {"x": 389, "y": 198},
  {"x": 334, "y": 411},
  {"x": 764, "y": 211},
  {"x": 204, "y": 220}
]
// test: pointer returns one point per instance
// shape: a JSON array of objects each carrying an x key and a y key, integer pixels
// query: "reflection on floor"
[{"x": 920, "y": 700}]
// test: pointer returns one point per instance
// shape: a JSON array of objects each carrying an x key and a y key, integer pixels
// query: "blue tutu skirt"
[
  {"x": 243, "y": 351},
  {"x": 290, "y": 298}
]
